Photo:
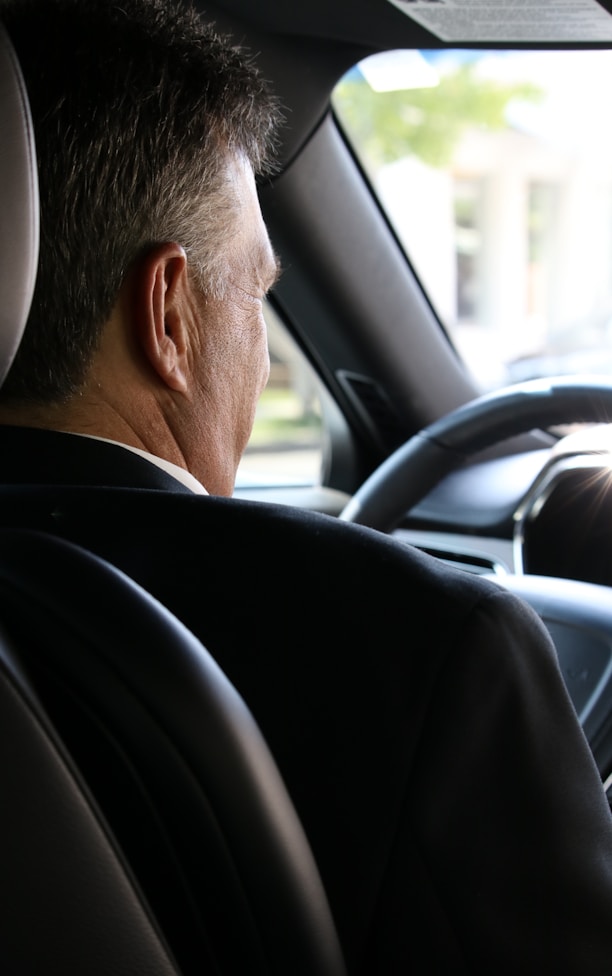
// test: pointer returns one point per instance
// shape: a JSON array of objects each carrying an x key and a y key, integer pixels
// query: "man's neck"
[{"x": 107, "y": 426}]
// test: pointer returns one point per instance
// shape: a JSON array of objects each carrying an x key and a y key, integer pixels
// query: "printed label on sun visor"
[{"x": 520, "y": 20}]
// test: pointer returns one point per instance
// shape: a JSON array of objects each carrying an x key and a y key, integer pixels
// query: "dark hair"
[{"x": 136, "y": 105}]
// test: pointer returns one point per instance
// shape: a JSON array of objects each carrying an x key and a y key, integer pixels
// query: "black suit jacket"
[{"x": 417, "y": 714}]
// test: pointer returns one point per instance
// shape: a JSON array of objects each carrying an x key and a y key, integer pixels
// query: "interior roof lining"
[{"x": 370, "y": 23}]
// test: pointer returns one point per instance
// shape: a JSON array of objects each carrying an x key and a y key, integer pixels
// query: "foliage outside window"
[{"x": 495, "y": 168}]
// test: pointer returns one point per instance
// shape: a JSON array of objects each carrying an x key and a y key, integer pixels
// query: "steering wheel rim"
[{"x": 411, "y": 472}]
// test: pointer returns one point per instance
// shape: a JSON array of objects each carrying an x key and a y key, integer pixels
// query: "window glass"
[
  {"x": 495, "y": 168},
  {"x": 286, "y": 445}
]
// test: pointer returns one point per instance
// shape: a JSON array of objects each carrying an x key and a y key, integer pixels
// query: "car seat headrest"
[{"x": 19, "y": 206}]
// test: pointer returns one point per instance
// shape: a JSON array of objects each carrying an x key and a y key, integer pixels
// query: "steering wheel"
[
  {"x": 417, "y": 466},
  {"x": 575, "y": 612}
]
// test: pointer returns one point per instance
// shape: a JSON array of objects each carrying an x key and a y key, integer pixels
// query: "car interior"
[{"x": 508, "y": 479}]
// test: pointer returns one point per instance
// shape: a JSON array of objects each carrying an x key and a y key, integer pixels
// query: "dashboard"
[
  {"x": 545, "y": 512},
  {"x": 540, "y": 524}
]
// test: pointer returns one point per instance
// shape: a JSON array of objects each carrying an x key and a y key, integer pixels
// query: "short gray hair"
[{"x": 137, "y": 106}]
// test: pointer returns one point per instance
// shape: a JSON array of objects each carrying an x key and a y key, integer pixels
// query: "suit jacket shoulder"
[{"x": 46, "y": 457}]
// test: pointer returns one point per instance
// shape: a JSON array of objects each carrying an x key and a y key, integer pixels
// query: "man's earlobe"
[
  {"x": 160, "y": 300},
  {"x": 170, "y": 353}
]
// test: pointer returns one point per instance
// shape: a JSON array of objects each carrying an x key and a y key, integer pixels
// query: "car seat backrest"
[
  {"x": 68, "y": 902},
  {"x": 175, "y": 761}
]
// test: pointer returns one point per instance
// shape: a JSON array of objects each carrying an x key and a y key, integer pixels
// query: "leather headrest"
[{"x": 19, "y": 206}]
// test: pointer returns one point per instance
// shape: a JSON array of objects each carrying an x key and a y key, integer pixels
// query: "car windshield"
[{"x": 495, "y": 170}]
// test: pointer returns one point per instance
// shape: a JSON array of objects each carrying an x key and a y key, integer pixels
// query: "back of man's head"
[{"x": 136, "y": 104}]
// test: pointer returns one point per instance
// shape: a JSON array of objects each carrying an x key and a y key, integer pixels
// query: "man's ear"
[{"x": 160, "y": 297}]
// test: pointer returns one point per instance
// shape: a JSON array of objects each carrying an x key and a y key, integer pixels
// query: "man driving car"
[{"x": 417, "y": 714}]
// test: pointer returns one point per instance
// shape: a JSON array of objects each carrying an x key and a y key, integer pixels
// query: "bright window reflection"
[{"x": 496, "y": 171}]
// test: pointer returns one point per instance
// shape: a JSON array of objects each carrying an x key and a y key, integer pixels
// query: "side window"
[{"x": 286, "y": 445}]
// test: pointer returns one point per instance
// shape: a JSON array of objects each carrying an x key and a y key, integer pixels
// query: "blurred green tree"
[{"x": 424, "y": 122}]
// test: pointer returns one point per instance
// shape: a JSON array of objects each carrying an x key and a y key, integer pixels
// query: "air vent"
[
  {"x": 468, "y": 561},
  {"x": 374, "y": 409}
]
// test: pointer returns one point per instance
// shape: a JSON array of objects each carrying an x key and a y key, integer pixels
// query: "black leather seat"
[
  {"x": 140, "y": 807},
  {"x": 174, "y": 760},
  {"x": 68, "y": 901}
]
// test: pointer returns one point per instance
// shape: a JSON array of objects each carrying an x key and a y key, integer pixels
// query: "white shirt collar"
[{"x": 172, "y": 469}]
